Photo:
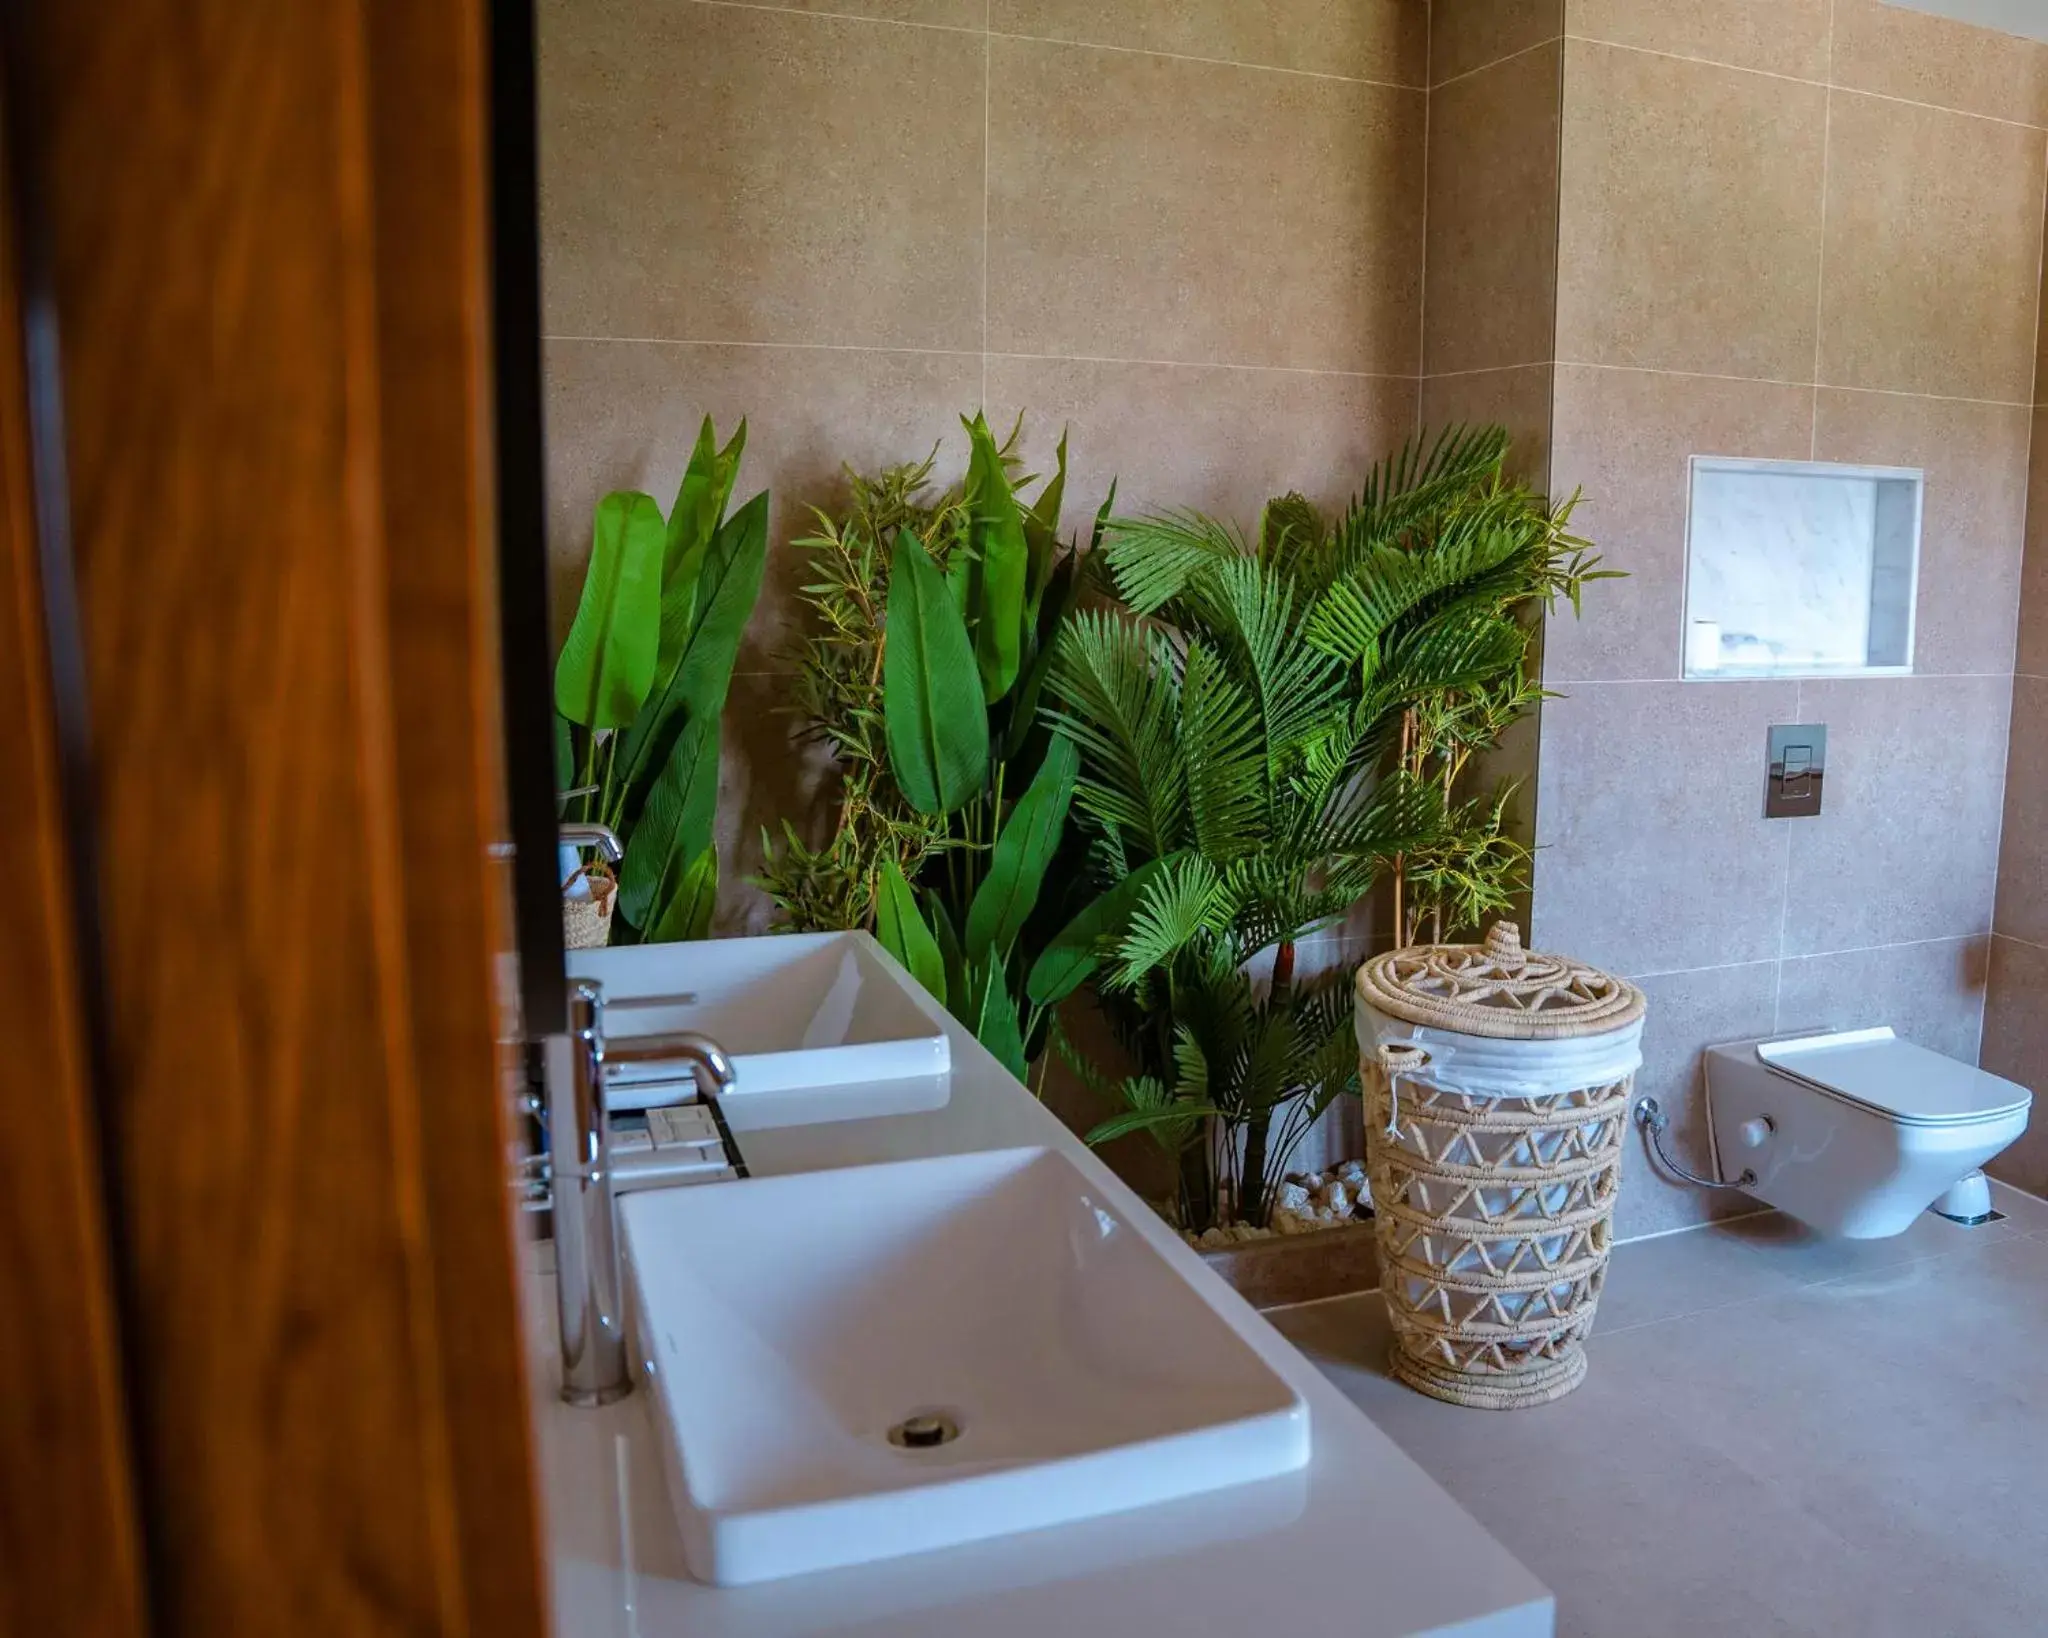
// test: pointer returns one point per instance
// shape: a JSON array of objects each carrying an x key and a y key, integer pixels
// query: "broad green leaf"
[
  {"x": 607, "y": 665},
  {"x": 1059, "y": 603},
  {"x": 692, "y": 526},
  {"x": 1017, "y": 864},
  {"x": 933, "y": 716},
  {"x": 1002, "y": 562},
  {"x": 565, "y": 759},
  {"x": 727, "y": 589},
  {"x": 1073, "y": 957},
  {"x": 902, "y": 932},
  {"x": 687, "y": 912},
  {"x": 676, "y": 824},
  {"x": 992, "y": 1014},
  {"x": 1042, "y": 535},
  {"x": 941, "y": 924}
]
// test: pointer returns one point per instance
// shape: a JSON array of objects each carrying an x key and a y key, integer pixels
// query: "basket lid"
[{"x": 1498, "y": 989}]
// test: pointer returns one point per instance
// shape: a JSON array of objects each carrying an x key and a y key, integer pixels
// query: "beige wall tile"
[
  {"x": 1220, "y": 440},
  {"x": 1468, "y": 34},
  {"x": 1933, "y": 994},
  {"x": 2016, "y": 1046},
  {"x": 1491, "y": 270},
  {"x": 1689, "y": 1012},
  {"x": 1778, "y": 36},
  {"x": 2033, "y": 645},
  {"x": 1906, "y": 845},
  {"x": 1386, "y": 40},
  {"x": 2023, "y": 855},
  {"x": 1653, "y": 852},
  {"x": 1149, "y": 207},
  {"x": 1933, "y": 251},
  {"x": 1974, "y": 524},
  {"x": 1516, "y": 399},
  {"x": 622, "y": 415},
  {"x": 721, "y": 173},
  {"x": 1627, "y": 437},
  {"x": 1906, "y": 53},
  {"x": 1689, "y": 231}
]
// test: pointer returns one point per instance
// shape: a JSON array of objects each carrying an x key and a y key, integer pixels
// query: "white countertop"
[{"x": 1361, "y": 1542}]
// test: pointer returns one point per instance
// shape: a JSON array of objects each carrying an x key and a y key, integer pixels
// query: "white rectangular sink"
[
  {"x": 795, "y": 1014},
  {"x": 787, "y": 1325}
]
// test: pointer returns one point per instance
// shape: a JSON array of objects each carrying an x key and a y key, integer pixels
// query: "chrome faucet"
[
  {"x": 588, "y": 1287},
  {"x": 602, "y": 837}
]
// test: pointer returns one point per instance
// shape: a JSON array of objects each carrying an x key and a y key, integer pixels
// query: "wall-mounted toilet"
[{"x": 1855, "y": 1133}]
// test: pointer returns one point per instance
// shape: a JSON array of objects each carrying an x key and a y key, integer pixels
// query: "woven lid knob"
[{"x": 1504, "y": 946}]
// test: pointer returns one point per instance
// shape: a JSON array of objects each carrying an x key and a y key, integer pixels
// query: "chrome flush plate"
[{"x": 1798, "y": 766}]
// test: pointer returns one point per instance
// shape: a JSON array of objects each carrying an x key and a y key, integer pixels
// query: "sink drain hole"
[{"x": 925, "y": 1430}]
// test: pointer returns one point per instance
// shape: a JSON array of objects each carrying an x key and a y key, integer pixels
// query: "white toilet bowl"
[{"x": 1857, "y": 1133}]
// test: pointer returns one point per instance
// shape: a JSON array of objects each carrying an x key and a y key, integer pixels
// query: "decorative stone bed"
[{"x": 1321, "y": 1243}]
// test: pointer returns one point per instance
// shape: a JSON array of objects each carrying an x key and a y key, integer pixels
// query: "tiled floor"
[{"x": 1778, "y": 1435}]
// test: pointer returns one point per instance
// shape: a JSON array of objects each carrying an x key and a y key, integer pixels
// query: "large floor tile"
[
  {"x": 1855, "y": 1456},
  {"x": 1385, "y": 40},
  {"x": 1156, "y": 208},
  {"x": 726, "y": 173},
  {"x": 1673, "y": 1275},
  {"x": 1933, "y": 251},
  {"x": 1689, "y": 225},
  {"x": 1653, "y": 852},
  {"x": 1906, "y": 845}
]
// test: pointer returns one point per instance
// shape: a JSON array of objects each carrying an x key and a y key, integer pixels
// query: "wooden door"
[
  {"x": 70, "y": 1553},
  {"x": 266, "y": 233}
]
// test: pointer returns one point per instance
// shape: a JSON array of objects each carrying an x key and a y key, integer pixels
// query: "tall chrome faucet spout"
[{"x": 588, "y": 1284}]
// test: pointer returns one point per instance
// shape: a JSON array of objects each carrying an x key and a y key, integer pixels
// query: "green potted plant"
[
  {"x": 933, "y": 619},
  {"x": 1251, "y": 724},
  {"x": 641, "y": 684}
]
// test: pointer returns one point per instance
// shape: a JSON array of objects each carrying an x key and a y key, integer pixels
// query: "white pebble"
[
  {"x": 1293, "y": 1197},
  {"x": 1338, "y": 1199}
]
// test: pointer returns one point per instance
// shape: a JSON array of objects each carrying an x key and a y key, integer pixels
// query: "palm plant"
[{"x": 1245, "y": 779}]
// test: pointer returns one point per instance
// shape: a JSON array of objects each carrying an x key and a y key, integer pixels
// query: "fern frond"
[
  {"x": 1117, "y": 697},
  {"x": 1152, "y": 559}
]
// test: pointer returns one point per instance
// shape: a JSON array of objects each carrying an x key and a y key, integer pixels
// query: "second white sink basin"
[
  {"x": 802, "y": 1336},
  {"x": 797, "y": 1013}
]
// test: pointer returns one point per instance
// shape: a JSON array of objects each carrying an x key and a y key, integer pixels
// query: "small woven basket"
[
  {"x": 587, "y": 921},
  {"x": 1493, "y": 1186}
]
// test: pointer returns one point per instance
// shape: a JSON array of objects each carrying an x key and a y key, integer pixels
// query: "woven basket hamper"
[{"x": 1497, "y": 1084}]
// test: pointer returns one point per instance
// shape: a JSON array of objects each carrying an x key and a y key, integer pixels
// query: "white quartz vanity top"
[{"x": 1360, "y": 1543}]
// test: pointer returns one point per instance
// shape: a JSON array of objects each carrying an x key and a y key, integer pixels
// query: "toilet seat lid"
[{"x": 1895, "y": 1078}]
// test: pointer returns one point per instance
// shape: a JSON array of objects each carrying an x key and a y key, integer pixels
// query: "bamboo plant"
[
  {"x": 933, "y": 618},
  {"x": 642, "y": 679},
  {"x": 1245, "y": 780}
]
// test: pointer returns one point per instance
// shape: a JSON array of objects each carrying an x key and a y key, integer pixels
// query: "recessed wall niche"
[{"x": 1800, "y": 569}]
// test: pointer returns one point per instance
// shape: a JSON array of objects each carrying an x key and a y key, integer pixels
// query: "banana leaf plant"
[
  {"x": 936, "y": 633},
  {"x": 642, "y": 679},
  {"x": 1244, "y": 780}
]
